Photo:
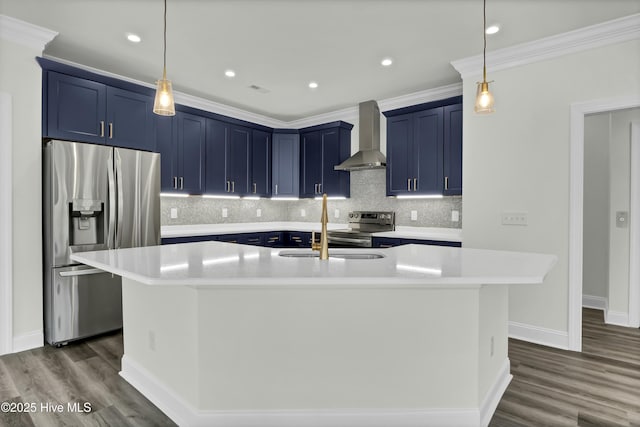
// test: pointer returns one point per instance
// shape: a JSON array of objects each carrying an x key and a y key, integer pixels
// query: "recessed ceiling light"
[
  {"x": 386, "y": 62},
  {"x": 133, "y": 38},
  {"x": 313, "y": 85},
  {"x": 492, "y": 29},
  {"x": 230, "y": 73}
]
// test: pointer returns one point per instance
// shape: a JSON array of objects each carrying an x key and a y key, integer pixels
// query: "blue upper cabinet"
[
  {"x": 130, "y": 121},
  {"x": 76, "y": 109},
  {"x": 88, "y": 111},
  {"x": 216, "y": 172},
  {"x": 285, "y": 165},
  {"x": 260, "y": 182},
  {"x": 321, "y": 148},
  {"x": 424, "y": 149},
  {"x": 237, "y": 165},
  {"x": 181, "y": 143},
  {"x": 452, "y": 163}
]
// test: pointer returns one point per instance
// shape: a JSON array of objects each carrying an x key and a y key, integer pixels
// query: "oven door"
[{"x": 348, "y": 240}]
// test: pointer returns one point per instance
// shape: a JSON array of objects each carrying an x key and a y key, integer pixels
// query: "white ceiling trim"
[
  {"x": 421, "y": 97},
  {"x": 606, "y": 33},
  {"x": 25, "y": 34}
]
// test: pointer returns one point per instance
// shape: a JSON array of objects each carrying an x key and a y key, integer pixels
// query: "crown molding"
[
  {"x": 610, "y": 32},
  {"x": 25, "y": 34},
  {"x": 421, "y": 97}
]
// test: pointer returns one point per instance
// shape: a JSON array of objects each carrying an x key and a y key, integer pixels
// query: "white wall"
[
  {"x": 595, "y": 268},
  {"x": 20, "y": 77},
  {"x": 620, "y": 143},
  {"x": 518, "y": 159}
]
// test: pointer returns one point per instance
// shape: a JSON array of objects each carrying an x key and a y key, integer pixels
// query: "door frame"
[
  {"x": 6, "y": 226},
  {"x": 576, "y": 206},
  {"x": 634, "y": 228}
]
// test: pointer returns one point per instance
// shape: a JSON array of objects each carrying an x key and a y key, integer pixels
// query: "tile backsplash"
[{"x": 368, "y": 189}]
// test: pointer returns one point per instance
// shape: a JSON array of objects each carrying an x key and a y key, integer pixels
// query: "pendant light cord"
[
  {"x": 484, "y": 36},
  {"x": 164, "y": 64}
]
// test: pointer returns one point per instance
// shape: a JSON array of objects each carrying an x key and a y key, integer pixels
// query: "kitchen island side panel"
[{"x": 160, "y": 336}]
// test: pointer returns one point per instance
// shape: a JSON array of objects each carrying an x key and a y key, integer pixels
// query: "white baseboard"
[
  {"x": 539, "y": 335},
  {"x": 492, "y": 399},
  {"x": 616, "y": 318},
  {"x": 184, "y": 414},
  {"x": 592, "y": 301},
  {"x": 28, "y": 341}
]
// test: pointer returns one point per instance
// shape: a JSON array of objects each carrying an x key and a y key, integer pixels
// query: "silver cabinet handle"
[
  {"x": 276, "y": 189},
  {"x": 408, "y": 184},
  {"x": 320, "y": 188},
  {"x": 228, "y": 186},
  {"x": 110, "y": 130},
  {"x": 415, "y": 184},
  {"x": 84, "y": 272},
  {"x": 175, "y": 182},
  {"x": 446, "y": 182},
  {"x": 181, "y": 180},
  {"x": 101, "y": 128},
  {"x": 233, "y": 186},
  {"x": 255, "y": 188}
]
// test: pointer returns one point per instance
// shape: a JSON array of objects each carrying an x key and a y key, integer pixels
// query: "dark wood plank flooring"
[
  {"x": 80, "y": 372},
  {"x": 598, "y": 387},
  {"x": 550, "y": 387}
]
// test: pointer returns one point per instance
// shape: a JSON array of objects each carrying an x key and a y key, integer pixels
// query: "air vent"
[{"x": 259, "y": 89}]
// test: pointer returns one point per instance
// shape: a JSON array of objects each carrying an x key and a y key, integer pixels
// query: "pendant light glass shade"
[
  {"x": 484, "y": 98},
  {"x": 164, "y": 104}
]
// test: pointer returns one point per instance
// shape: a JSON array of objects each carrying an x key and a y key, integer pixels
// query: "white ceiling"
[{"x": 282, "y": 45}]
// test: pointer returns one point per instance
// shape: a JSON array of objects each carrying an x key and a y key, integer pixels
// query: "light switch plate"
[
  {"x": 303, "y": 212},
  {"x": 414, "y": 215},
  {"x": 336, "y": 213},
  {"x": 455, "y": 216},
  {"x": 514, "y": 218},
  {"x": 174, "y": 213},
  {"x": 622, "y": 219},
  {"x": 225, "y": 213},
  {"x": 258, "y": 213}
]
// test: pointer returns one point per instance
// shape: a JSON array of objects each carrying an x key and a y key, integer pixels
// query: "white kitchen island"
[{"x": 219, "y": 334}]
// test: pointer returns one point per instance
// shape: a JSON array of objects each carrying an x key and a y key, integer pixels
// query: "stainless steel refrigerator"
[{"x": 94, "y": 198}]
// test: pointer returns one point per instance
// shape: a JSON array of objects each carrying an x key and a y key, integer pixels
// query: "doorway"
[{"x": 576, "y": 214}]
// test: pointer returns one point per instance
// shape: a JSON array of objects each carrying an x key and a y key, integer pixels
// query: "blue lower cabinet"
[
  {"x": 295, "y": 239},
  {"x": 273, "y": 239},
  {"x": 389, "y": 242},
  {"x": 188, "y": 239}
]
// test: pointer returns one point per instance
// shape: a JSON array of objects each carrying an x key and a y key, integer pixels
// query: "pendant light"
[
  {"x": 484, "y": 98},
  {"x": 164, "y": 104}
]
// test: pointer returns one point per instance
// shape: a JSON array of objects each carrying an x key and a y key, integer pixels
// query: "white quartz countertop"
[
  {"x": 221, "y": 264},
  {"x": 424, "y": 233}
]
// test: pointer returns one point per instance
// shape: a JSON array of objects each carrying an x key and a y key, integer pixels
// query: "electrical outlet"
[
  {"x": 303, "y": 212},
  {"x": 622, "y": 219},
  {"x": 514, "y": 218},
  {"x": 225, "y": 212},
  {"x": 455, "y": 216},
  {"x": 336, "y": 213},
  {"x": 414, "y": 215},
  {"x": 174, "y": 213},
  {"x": 152, "y": 341},
  {"x": 258, "y": 213}
]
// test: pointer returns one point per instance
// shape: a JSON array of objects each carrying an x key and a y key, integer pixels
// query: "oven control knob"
[{"x": 351, "y": 215}]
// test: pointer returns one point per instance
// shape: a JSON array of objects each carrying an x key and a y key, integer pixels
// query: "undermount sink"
[{"x": 332, "y": 254}]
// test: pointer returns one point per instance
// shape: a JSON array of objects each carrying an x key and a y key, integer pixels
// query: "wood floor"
[
  {"x": 80, "y": 372},
  {"x": 550, "y": 387},
  {"x": 598, "y": 387}
]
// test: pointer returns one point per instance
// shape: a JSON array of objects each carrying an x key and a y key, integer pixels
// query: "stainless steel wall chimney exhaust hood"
[{"x": 368, "y": 155}]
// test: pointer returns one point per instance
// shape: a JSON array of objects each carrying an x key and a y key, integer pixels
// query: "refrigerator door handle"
[
  {"x": 85, "y": 272},
  {"x": 119, "y": 179},
  {"x": 112, "y": 203}
]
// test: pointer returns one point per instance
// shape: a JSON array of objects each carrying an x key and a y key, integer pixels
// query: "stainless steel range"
[{"x": 362, "y": 225}]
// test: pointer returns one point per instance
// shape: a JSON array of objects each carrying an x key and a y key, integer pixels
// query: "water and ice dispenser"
[{"x": 86, "y": 222}]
